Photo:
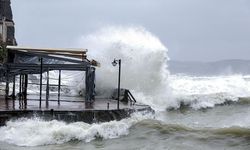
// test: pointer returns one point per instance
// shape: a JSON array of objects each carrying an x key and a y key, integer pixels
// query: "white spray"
[
  {"x": 35, "y": 132},
  {"x": 144, "y": 71},
  {"x": 144, "y": 62},
  {"x": 204, "y": 92}
]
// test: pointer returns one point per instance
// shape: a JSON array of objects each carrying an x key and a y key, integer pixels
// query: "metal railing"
[{"x": 130, "y": 97}]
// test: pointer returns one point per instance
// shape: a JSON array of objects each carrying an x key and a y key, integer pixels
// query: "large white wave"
[
  {"x": 144, "y": 72},
  {"x": 35, "y": 131},
  {"x": 204, "y": 92},
  {"x": 144, "y": 66},
  {"x": 144, "y": 62}
]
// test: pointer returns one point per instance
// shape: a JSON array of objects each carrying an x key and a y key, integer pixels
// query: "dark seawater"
[
  {"x": 204, "y": 113},
  {"x": 212, "y": 113},
  {"x": 221, "y": 127}
]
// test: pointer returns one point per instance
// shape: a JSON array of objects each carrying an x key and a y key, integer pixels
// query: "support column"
[
  {"x": 41, "y": 82},
  {"x": 7, "y": 89},
  {"x": 20, "y": 87},
  {"x": 59, "y": 87},
  {"x": 47, "y": 89},
  {"x": 7, "y": 85},
  {"x": 25, "y": 90},
  {"x": 20, "y": 91},
  {"x": 25, "y": 86},
  {"x": 14, "y": 88},
  {"x": 90, "y": 87}
]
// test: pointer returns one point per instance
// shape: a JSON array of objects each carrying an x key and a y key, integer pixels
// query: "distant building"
[{"x": 7, "y": 29}]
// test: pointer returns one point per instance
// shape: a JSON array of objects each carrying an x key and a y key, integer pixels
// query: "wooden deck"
[
  {"x": 71, "y": 109},
  {"x": 66, "y": 104}
]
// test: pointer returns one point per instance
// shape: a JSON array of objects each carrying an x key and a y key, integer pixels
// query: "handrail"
[{"x": 130, "y": 97}]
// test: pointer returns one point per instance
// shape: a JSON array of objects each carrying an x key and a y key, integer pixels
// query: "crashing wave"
[
  {"x": 35, "y": 131},
  {"x": 207, "y": 92}
]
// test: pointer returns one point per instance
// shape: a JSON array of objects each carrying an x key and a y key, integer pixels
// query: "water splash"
[
  {"x": 206, "y": 92},
  {"x": 144, "y": 62},
  {"x": 35, "y": 131}
]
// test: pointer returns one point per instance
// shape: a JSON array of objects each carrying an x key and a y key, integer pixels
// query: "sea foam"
[
  {"x": 206, "y": 92},
  {"x": 35, "y": 131}
]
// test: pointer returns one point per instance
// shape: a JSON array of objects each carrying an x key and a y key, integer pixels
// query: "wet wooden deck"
[
  {"x": 71, "y": 109},
  {"x": 66, "y": 104}
]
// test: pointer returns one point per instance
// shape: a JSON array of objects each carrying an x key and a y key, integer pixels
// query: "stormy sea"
[{"x": 193, "y": 111}]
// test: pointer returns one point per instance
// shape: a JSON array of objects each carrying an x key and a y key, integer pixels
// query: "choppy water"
[
  {"x": 192, "y": 113},
  {"x": 224, "y": 126}
]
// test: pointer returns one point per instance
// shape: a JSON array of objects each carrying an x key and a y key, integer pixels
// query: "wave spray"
[{"x": 144, "y": 62}]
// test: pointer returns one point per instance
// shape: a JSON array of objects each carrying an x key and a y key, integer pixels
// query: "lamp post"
[{"x": 114, "y": 63}]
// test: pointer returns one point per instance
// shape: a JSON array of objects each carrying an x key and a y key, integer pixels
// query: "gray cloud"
[{"x": 191, "y": 29}]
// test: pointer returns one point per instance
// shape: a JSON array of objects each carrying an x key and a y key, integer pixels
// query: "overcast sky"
[{"x": 205, "y": 30}]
